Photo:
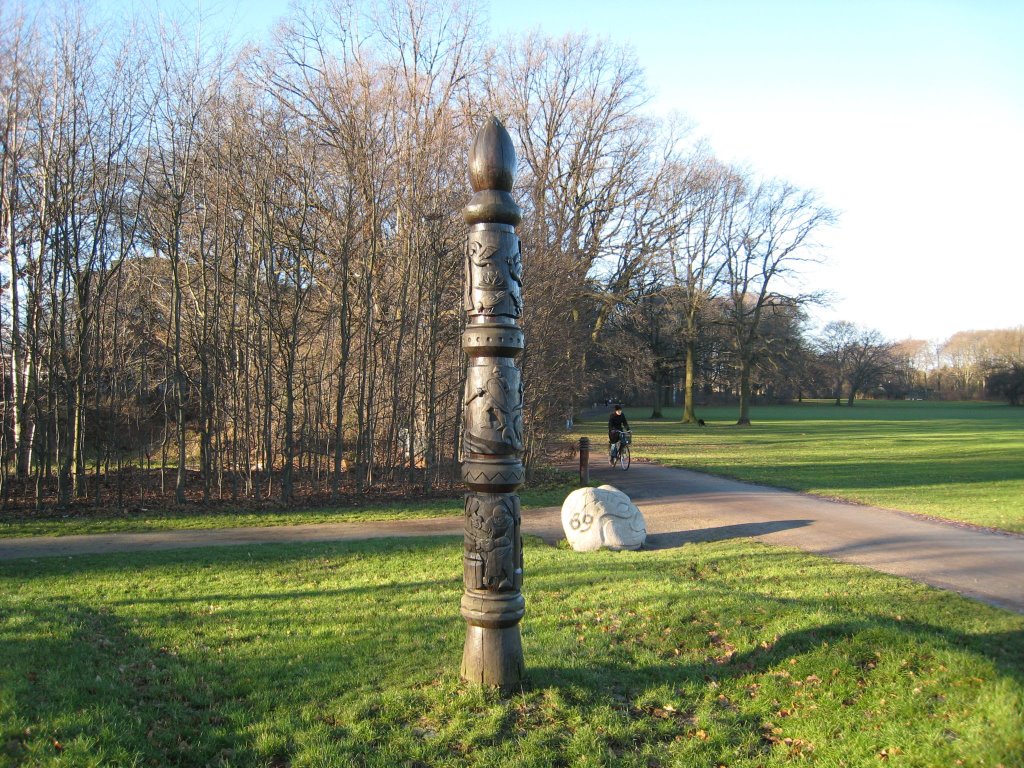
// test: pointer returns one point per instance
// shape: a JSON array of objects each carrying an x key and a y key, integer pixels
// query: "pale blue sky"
[{"x": 906, "y": 115}]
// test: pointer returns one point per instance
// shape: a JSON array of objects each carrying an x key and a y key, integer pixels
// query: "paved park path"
[{"x": 680, "y": 507}]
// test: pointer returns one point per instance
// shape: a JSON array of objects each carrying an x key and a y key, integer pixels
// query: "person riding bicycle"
[{"x": 617, "y": 424}]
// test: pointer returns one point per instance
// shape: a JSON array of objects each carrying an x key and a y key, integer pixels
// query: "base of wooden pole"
[{"x": 493, "y": 656}]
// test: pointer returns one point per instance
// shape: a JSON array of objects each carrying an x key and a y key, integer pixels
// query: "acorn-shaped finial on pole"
[
  {"x": 492, "y": 172},
  {"x": 492, "y": 434}
]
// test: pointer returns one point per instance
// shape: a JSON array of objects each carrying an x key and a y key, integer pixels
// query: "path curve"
[{"x": 680, "y": 507}]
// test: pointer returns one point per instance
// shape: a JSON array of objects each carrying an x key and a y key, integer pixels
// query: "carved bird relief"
[{"x": 480, "y": 253}]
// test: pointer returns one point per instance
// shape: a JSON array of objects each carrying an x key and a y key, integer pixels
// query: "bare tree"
[
  {"x": 967, "y": 360},
  {"x": 184, "y": 84},
  {"x": 87, "y": 115},
  {"x": 697, "y": 194},
  {"x": 767, "y": 234},
  {"x": 857, "y": 358},
  {"x": 913, "y": 361},
  {"x": 17, "y": 45},
  {"x": 593, "y": 164}
]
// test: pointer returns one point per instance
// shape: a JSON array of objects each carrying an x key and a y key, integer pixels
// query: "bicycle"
[{"x": 620, "y": 450}]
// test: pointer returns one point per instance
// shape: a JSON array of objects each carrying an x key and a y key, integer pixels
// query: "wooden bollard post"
[
  {"x": 492, "y": 468},
  {"x": 584, "y": 461}
]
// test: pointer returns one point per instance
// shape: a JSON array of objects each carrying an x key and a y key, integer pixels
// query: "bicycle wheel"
[{"x": 624, "y": 457}]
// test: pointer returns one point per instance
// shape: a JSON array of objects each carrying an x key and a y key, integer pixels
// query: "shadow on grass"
[
  {"x": 87, "y": 689},
  {"x": 754, "y": 587},
  {"x": 316, "y": 594},
  {"x": 238, "y": 678},
  {"x": 864, "y": 475},
  {"x": 1001, "y": 648},
  {"x": 191, "y": 559}
]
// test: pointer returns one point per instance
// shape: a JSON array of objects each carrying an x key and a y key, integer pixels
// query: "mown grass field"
[
  {"x": 958, "y": 461},
  {"x": 730, "y": 653},
  {"x": 195, "y": 517}
]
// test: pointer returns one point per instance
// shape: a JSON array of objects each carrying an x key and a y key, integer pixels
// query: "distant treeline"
[{"x": 642, "y": 358}]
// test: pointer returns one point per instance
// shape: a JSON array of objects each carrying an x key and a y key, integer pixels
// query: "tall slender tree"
[{"x": 767, "y": 234}]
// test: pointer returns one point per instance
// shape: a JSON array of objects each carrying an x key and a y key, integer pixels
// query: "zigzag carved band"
[{"x": 500, "y": 477}]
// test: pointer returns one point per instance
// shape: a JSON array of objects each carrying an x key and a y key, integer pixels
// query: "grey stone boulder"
[{"x": 604, "y": 517}]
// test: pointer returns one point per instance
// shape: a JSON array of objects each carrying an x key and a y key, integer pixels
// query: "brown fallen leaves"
[{"x": 795, "y": 747}]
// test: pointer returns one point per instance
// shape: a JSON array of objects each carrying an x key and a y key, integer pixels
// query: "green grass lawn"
[
  {"x": 730, "y": 653},
  {"x": 958, "y": 461},
  {"x": 194, "y": 516}
]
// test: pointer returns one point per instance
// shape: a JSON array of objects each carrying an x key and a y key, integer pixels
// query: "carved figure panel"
[
  {"x": 494, "y": 280},
  {"x": 493, "y": 546},
  {"x": 493, "y": 408}
]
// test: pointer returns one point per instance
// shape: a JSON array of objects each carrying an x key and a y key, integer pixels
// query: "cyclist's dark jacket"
[{"x": 617, "y": 423}]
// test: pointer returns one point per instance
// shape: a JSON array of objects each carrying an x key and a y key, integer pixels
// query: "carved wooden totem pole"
[{"x": 493, "y": 428}]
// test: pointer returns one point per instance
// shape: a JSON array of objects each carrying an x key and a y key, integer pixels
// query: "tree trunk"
[
  {"x": 20, "y": 415},
  {"x": 66, "y": 448},
  {"x": 744, "y": 419},
  {"x": 268, "y": 408},
  {"x": 689, "y": 413},
  {"x": 339, "y": 403},
  {"x": 179, "y": 383},
  {"x": 288, "y": 470},
  {"x": 656, "y": 410},
  {"x": 78, "y": 433},
  {"x": 205, "y": 421},
  {"x": 339, "y": 432}
]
